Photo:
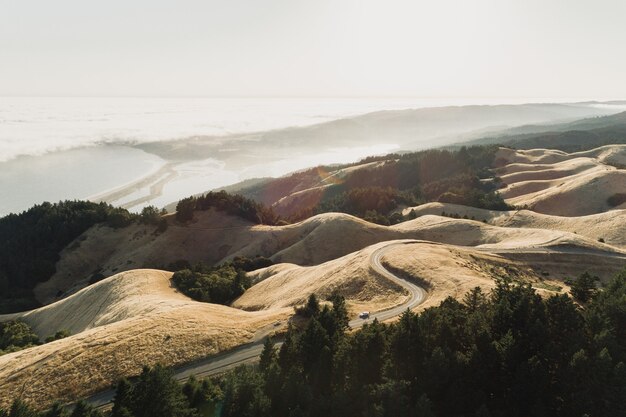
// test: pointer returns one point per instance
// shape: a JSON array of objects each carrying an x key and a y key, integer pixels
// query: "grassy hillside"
[{"x": 374, "y": 187}]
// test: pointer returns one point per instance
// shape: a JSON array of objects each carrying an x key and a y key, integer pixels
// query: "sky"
[{"x": 314, "y": 48}]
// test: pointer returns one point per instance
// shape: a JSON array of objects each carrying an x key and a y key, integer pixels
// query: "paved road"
[
  {"x": 417, "y": 295},
  {"x": 250, "y": 352}
]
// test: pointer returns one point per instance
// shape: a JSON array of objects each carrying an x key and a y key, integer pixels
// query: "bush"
[
  {"x": 185, "y": 209},
  {"x": 616, "y": 199},
  {"x": 61, "y": 334},
  {"x": 220, "y": 285},
  {"x": 150, "y": 215},
  {"x": 16, "y": 335},
  {"x": 236, "y": 205}
]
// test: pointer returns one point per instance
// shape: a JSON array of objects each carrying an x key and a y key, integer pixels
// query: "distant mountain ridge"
[
  {"x": 571, "y": 136},
  {"x": 409, "y": 129}
]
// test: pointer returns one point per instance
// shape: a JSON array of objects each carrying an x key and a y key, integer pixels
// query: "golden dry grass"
[
  {"x": 608, "y": 226},
  {"x": 557, "y": 183},
  {"x": 137, "y": 318},
  {"x": 116, "y": 335}
]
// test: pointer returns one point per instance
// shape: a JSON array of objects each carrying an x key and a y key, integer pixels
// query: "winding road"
[
  {"x": 417, "y": 295},
  {"x": 251, "y": 351}
]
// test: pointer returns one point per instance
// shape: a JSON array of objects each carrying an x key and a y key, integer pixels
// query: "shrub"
[
  {"x": 219, "y": 285},
  {"x": 16, "y": 335},
  {"x": 616, "y": 199}
]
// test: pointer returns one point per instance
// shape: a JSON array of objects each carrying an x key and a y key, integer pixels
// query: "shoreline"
[{"x": 117, "y": 193}]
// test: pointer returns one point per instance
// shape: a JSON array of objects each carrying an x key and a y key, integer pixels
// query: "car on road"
[{"x": 364, "y": 315}]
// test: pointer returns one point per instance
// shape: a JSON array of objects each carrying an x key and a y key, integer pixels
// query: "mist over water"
[
  {"x": 74, "y": 174},
  {"x": 39, "y": 125},
  {"x": 72, "y": 148},
  {"x": 78, "y": 148},
  {"x": 36, "y": 126}
]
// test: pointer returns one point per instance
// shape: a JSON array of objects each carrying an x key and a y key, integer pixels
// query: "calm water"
[
  {"x": 73, "y": 174},
  {"x": 64, "y": 148}
]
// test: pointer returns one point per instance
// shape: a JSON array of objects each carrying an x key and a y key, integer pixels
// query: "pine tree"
[
  {"x": 21, "y": 409},
  {"x": 123, "y": 399},
  {"x": 157, "y": 393},
  {"x": 268, "y": 355},
  {"x": 82, "y": 409},
  {"x": 57, "y": 410}
]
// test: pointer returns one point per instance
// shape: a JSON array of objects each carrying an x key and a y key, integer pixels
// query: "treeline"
[
  {"x": 30, "y": 243},
  {"x": 510, "y": 353},
  {"x": 16, "y": 335},
  {"x": 216, "y": 284},
  {"x": 460, "y": 176},
  {"x": 234, "y": 204}
]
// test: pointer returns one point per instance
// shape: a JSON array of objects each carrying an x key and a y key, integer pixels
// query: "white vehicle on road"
[{"x": 364, "y": 315}]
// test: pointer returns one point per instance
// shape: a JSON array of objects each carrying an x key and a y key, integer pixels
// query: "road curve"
[{"x": 250, "y": 352}]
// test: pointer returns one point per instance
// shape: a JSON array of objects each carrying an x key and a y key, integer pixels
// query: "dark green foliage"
[
  {"x": 203, "y": 396},
  {"x": 61, "y": 334},
  {"x": 150, "y": 215},
  {"x": 232, "y": 204},
  {"x": 511, "y": 353},
  {"x": 185, "y": 209},
  {"x": 155, "y": 393},
  {"x": 569, "y": 137},
  {"x": 21, "y": 409},
  {"x": 310, "y": 309},
  {"x": 162, "y": 226},
  {"x": 268, "y": 355},
  {"x": 243, "y": 395},
  {"x": 362, "y": 201},
  {"x": 82, "y": 409},
  {"x": 219, "y": 285},
  {"x": 460, "y": 176},
  {"x": 16, "y": 335},
  {"x": 30, "y": 243},
  {"x": 57, "y": 410},
  {"x": 616, "y": 199},
  {"x": 607, "y": 315},
  {"x": 583, "y": 288},
  {"x": 123, "y": 401},
  {"x": 250, "y": 264}
]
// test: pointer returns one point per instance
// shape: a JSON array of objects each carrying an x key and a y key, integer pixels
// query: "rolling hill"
[{"x": 134, "y": 316}]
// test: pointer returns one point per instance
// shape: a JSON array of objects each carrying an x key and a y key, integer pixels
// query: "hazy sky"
[{"x": 464, "y": 48}]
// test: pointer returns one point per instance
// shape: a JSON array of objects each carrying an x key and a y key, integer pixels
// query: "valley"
[{"x": 133, "y": 316}]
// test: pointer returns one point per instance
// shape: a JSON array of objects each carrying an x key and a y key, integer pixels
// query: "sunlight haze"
[{"x": 287, "y": 48}]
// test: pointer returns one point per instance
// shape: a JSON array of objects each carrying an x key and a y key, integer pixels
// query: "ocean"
[{"x": 54, "y": 148}]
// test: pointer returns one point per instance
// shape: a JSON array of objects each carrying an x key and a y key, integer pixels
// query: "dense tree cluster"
[
  {"x": 236, "y": 205},
  {"x": 30, "y": 243},
  {"x": 216, "y": 284},
  {"x": 368, "y": 201},
  {"x": 17, "y": 335},
  {"x": 460, "y": 176},
  {"x": 510, "y": 353}
]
